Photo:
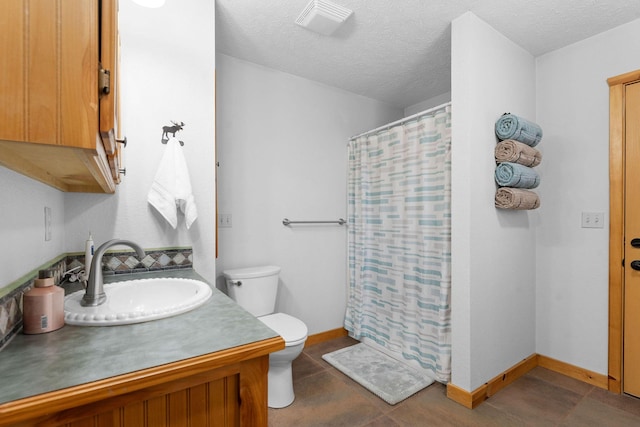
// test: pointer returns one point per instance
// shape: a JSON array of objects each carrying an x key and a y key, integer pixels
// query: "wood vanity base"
[{"x": 226, "y": 388}]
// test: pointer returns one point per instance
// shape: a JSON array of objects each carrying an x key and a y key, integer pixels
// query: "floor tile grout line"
[
  {"x": 572, "y": 410},
  {"x": 620, "y": 396},
  {"x": 503, "y": 411},
  {"x": 375, "y": 420},
  {"x": 530, "y": 375}
]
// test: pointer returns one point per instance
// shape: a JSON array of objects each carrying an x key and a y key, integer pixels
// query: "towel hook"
[{"x": 166, "y": 130}]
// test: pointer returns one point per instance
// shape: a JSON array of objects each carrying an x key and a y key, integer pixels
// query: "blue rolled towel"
[
  {"x": 510, "y": 126},
  {"x": 514, "y": 175}
]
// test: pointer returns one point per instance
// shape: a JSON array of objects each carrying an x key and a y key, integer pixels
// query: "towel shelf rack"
[{"x": 287, "y": 222}]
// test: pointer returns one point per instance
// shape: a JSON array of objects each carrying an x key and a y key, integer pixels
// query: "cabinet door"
[
  {"x": 109, "y": 63},
  {"x": 78, "y": 66},
  {"x": 110, "y": 100},
  {"x": 12, "y": 83},
  {"x": 49, "y": 67}
]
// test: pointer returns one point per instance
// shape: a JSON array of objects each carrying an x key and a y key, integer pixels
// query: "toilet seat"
[{"x": 291, "y": 329}]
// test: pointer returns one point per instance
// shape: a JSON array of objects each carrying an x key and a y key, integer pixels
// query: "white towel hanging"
[{"x": 171, "y": 187}]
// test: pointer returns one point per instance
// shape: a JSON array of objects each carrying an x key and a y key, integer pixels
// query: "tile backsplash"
[
  {"x": 122, "y": 262},
  {"x": 113, "y": 262}
]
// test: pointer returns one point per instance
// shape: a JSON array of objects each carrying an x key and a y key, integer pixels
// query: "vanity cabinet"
[
  {"x": 59, "y": 92},
  {"x": 226, "y": 388}
]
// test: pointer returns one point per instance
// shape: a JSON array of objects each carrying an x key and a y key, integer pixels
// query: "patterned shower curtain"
[{"x": 399, "y": 241}]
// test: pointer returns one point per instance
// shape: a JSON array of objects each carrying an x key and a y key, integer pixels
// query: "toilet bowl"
[
  {"x": 294, "y": 333},
  {"x": 255, "y": 290}
]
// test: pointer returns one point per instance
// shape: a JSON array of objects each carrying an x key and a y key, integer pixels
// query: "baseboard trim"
[
  {"x": 326, "y": 336},
  {"x": 511, "y": 374},
  {"x": 472, "y": 399},
  {"x": 576, "y": 372},
  {"x": 465, "y": 398}
]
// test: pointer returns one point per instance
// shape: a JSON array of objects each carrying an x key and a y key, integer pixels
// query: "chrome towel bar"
[{"x": 287, "y": 222}]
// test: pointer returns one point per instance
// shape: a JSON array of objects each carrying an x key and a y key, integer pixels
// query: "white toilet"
[{"x": 255, "y": 290}]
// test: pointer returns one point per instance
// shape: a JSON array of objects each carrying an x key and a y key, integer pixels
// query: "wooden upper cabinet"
[
  {"x": 56, "y": 124},
  {"x": 110, "y": 102}
]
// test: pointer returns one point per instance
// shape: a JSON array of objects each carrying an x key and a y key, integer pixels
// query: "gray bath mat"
[{"x": 382, "y": 375}]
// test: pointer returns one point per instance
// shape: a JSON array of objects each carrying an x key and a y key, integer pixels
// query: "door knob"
[{"x": 635, "y": 264}]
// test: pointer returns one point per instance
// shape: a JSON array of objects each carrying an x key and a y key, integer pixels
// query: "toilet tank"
[{"x": 254, "y": 288}]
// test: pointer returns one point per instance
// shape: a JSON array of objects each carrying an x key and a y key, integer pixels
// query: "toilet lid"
[{"x": 292, "y": 330}]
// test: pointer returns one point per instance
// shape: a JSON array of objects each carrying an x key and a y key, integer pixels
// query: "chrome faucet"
[{"x": 95, "y": 295}]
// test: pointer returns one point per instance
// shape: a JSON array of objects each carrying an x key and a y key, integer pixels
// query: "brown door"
[{"x": 631, "y": 356}]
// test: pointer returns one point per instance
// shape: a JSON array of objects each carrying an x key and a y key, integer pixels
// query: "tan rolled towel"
[
  {"x": 513, "y": 151},
  {"x": 516, "y": 198}
]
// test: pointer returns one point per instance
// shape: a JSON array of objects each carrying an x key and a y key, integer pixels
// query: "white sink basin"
[{"x": 135, "y": 301}]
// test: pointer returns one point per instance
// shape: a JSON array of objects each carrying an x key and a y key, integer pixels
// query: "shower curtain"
[{"x": 399, "y": 241}]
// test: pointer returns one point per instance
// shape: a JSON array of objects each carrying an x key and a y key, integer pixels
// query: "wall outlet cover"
[
  {"x": 47, "y": 224},
  {"x": 592, "y": 220},
  {"x": 224, "y": 221}
]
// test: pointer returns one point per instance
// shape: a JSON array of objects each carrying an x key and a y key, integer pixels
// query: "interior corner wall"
[
  {"x": 429, "y": 103},
  {"x": 282, "y": 147},
  {"x": 572, "y": 262},
  {"x": 167, "y": 74},
  {"x": 493, "y": 251}
]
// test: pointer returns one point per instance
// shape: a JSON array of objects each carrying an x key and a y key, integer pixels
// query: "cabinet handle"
[
  {"x": 123, "y": 141},
  {"x": 123, "y": 171},
  {"x": 635, "y": 264}
]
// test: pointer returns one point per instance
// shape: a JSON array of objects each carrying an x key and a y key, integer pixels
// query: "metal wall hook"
[{"x": 166, "y": 130}]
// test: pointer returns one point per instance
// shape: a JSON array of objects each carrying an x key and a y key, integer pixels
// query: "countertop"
[{"x": 74, "y": 355}]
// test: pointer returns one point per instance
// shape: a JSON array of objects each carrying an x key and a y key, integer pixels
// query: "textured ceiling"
[{"x": 399, "y": 51}]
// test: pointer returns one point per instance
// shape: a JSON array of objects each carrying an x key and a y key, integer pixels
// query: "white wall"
[
  {"x": 572, "y": 273},
  {"x": 282, "y": 150},
  {"x": 168, "y": 62},
  {"x": 168, "y": 66},
  {"x": 23, "y": 247},
  {"x": 429, "y": 103},
  {"x": 493, "y": 251}
]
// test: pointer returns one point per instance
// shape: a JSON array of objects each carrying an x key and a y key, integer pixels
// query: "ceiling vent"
[{"x": 323, "y": 17}]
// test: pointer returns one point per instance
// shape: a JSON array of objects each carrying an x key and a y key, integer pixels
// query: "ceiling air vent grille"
[{"x": 323, "y": 16}]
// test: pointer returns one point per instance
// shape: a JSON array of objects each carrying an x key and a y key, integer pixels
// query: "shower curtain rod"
[{"x": 401, "y": 121}]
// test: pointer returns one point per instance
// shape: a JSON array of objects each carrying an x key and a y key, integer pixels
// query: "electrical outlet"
[
  {"x": 47, "y": 224},
  {"x": 224, "y": 220},
  {"x": 592, "y": 220}
]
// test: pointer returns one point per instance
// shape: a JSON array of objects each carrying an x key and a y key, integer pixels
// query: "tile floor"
[{"x": 326, "y": 397}]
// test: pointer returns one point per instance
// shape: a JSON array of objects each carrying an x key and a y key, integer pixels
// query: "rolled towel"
[
  {"x": 514, "y": 175},
  {"x": 510, "y": 126},
  {"x": 513, "y": 151},
  {"x": 516, "y": 198}
]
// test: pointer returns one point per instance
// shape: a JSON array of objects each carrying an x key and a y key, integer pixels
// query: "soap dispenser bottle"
[
  {"x": 43, "y": 306},
  {"x": 88, "y": 256}
]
